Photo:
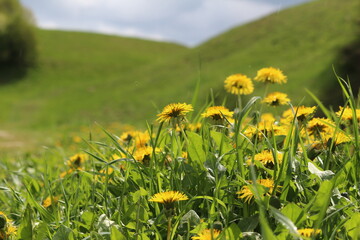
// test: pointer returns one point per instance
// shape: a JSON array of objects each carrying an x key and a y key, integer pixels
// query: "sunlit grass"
[{"x": 213, "y": 173}]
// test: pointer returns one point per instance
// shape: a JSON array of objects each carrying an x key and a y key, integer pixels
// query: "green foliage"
[{"x": 17, "y": 35}]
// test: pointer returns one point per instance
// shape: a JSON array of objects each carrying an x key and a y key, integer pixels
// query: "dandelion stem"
[
  {"x": 168, "y": 236},
  {"x": 239, "y": 102}
]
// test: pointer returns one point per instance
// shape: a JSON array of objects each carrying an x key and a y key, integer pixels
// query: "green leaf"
[
  {"x": 42, "y": 231},
  {"x": 190, "y": 217},
  {"x": 88, "y": 218},
  {"x": 25, "y": 229},
  {"x": 352, "y": 226},
  {"x": 62, "y": 233},
  {"x": 139, "y": 193},
  {"x": 248, "y": 224},
  {"x": 233, "y": 232},
  {"x": 294, "y": 213},
  {"x": 266, "y": 231},
  {"x": 321, "y": 202},
  {"x": 48, "y": 217},
  {"x": 116, "y": 234},
  {"x": 285, "y": 221},
  {"x": 195, "y": 149}
]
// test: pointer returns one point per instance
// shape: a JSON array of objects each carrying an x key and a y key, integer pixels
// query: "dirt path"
[{"x": 8, "y": 140}]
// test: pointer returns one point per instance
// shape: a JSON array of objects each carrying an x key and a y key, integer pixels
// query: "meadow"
[
  {"x": 85, "y": 77},
  {"x": 119, "y": 138},
  {"x": 197, "y": 173}
]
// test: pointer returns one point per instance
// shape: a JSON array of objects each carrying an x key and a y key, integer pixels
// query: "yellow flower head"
[
  {"x": 270, "y": 75},
  {"x": 276, "y": 98},
  {"x": 140, "y": 138},
  {"x": 239, "y": 84},
  {"x": 302, "y": 113},
  {"x": 347, "y": 113},
  {"x": 168, "y": 197},
  {"x": 339, "y": 138},
  {"x": 217, "y": 113},
  {"x": 50, "y": 201},
  {"x": 308, "y": 232},
  {"x": 267, "y": 119},
  {"x": 267, "y": 159},
  {"x": 318, "y": 126},
  {"x": 7, "y": 228},
  {"x": 144, "y": 154},
  {"x": 194, "y": 127},
  {"x": 76, "y": 161},
  {"x": 247, "y": 193},
  {"x": 76, "y": 139},
  {"x": 280, "y": 130},
  {"x": 208, "y": 234},
  {"x": 173, "y": 111}
]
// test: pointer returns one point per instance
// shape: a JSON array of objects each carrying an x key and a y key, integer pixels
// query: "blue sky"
[{"x": 188, "y": 22}]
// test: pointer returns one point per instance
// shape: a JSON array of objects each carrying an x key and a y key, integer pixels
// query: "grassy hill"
[
  {"x": 305, "y": 42},
  {"x": 77, "y": 76},
  {"x": 82, "y": 77}
]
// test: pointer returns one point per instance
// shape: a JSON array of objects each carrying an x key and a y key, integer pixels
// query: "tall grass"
[{"x": 245, "y": 177}]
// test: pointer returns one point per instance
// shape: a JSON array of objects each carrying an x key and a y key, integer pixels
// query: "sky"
[{"x": 188, "y": 22}]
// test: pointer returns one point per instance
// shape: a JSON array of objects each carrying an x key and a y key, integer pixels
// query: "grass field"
[
  {"x": 217, "y": 174},
  {"x": 82, "y": 78}
]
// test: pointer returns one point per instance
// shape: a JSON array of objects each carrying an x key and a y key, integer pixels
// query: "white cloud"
[
  {"x": 130, "y": 32},
  {"x": 185, "y": 21}
]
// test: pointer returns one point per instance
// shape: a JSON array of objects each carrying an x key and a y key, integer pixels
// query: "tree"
[{"x": 17, "y": 35}]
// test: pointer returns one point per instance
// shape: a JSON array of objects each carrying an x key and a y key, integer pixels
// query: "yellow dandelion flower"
[
  {"x": 63, "y": 174},
  {"x": 267, "y": 159},
  {"x": 308, "y": 232},
  {"x": 318, "y": 126},
  {"x": 267, "y": 121},
  {"x": 76, "y": 161},
  {"x": 267, "y": 117},
  {"x": 168, "y": 197},
  {"x": 217, "y": 113},
  {"x": 173, "y": 111},
  {"x": 127, "y": 136},
  {"x": 270, "y": 75},
  {"x": 250, "y": 131},
  {"x": 49, "y": 201},
  {"x": 7, "y": 228},
  {"x": 280, "y": 130},
  {"x": 239, "y": 84},
  {"x": 302, "y": 113},
  {"x": 339, "y": 138},
  {"x": 141, "y": 139},
  {"x": 247, "y": 194},
  {"x": 144, "y": 154},
  {"x": 76, "y": 139},
  {"x": 194, "y": 127},
  {"x": 107, "y": 171},
  {"x": 276, "y": 98},
  {"x": 207, "y": 234},
  {"x": 347, "y": 113}
]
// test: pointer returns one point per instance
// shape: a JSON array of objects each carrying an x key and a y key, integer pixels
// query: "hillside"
[
  {"x": 83, "y": 77},
  {"x": 304, "y": 41},
  {"x": 76, "y": 78}
]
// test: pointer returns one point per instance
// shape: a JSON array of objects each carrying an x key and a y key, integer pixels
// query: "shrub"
[{"x": 17, "y": 37}]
